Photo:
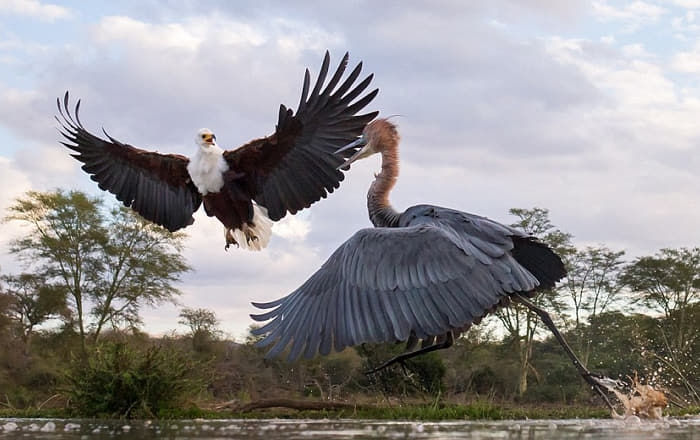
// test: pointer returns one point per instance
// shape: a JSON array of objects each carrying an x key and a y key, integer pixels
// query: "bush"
[
  {"x": 421, "y": 374},
  {"x": 118, "y": 381}
]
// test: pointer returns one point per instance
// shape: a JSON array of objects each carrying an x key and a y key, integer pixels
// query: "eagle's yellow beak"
[{"x": 209, "y": 138}]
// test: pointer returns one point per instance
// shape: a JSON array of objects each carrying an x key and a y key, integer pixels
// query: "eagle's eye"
[{"x": 203, "y": 136}]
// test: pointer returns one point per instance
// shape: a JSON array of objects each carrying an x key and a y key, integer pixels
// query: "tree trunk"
[
  {"x": 524, "y": 361},
  {"x": 79, "y": 308}
]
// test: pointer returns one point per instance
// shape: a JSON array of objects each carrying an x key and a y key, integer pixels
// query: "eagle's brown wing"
[
  {"x": 296, "y": 166},
  {"x": 155, "y": 185}
]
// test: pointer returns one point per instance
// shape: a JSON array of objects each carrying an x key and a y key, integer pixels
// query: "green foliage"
[
  {"x": 6, "y": 302},
  {"x": 120, "y": 381},
  {"x": 422, "y": 374},
  {"x": 33, "y": 300},
  {"x": 668, "y": 282},
  {"x": 521, "y": 323},
  {"x": 203, "y": 326},
  {"x": 110, "y": 262}
]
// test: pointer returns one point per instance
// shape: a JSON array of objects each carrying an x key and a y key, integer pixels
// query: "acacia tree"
[
  {"x": 111, "y": 263},
  {"x": 33, "y": 300},
  {"x": 203, "y": 325},
  {"x": 5, "y": 318},
  {"x": 593, "y": 284},
  {"x": 143, "y": 261},
  {"x": 668, "y": 282},
  {"x": 520, "y": 322}
]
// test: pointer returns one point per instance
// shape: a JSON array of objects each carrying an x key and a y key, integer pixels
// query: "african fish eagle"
[{"x": 246, "y": 188}]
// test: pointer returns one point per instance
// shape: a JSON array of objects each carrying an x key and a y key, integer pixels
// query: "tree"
[
  {"x": 203, "y": 326},
  {"x": 143, "y": 263},
  {"x": 111, "y": 262},
  {"x": 33, "y": 301},
  {"x": 668, "y": 282},
  {"x": 521, "y": 323},
  {"x": 5, "y": 318},
  {"x": 593, "y": 283}
]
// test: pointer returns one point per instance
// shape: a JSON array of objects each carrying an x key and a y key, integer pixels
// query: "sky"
[{"x": 590, "y": 109}]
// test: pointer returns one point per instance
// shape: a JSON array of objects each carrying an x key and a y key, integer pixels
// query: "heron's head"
[
  {"x": 377, "y": 136},
  {"x": 205, "y": 138}
]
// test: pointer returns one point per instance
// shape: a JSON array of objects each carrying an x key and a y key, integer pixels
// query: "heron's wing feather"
[
  {"x": 296, "y": 166},
  {"x": 155, "y": 185},
  {"x": 491, "y": 240},
  {"x": 384, "y": 284}
]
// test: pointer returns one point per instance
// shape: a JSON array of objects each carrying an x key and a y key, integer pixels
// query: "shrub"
[
  {"x": 420, "y": 374},
  {"x": 119, "y": 381}
]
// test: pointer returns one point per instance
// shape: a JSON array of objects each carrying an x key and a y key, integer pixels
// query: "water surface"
[{"x": 276, "y": 429}]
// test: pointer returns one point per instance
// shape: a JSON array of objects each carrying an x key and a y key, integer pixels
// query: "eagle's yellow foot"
[
  {"x": 228, "y": 235},
  {"x": 249, "y": 233}
]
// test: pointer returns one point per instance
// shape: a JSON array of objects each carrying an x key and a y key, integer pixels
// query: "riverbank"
[{"x": 430, "y": 412}]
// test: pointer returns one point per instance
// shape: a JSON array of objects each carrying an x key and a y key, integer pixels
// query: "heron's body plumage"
[{"x": 429, "y": 272}]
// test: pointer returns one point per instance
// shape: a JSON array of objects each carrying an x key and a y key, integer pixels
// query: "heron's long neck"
[{"x": 381, "y": 213}]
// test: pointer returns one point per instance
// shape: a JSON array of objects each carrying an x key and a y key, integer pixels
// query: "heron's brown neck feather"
[{"x": 381, "y": 213}]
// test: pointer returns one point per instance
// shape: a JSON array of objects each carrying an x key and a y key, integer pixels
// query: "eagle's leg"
[
  {"x": 228, "y": 235},
  {"x": 249, "y": 231}
]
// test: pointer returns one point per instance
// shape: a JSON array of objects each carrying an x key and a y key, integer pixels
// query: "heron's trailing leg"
[
  {"x": 590, "y": 378},
  {"x": 449, "y": 340}
]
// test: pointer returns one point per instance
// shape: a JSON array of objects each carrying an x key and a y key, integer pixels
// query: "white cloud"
[
  {"x": 687, "y": 61},
  {"x": 690, "y": 4},
  {"x": 191, "y": 32},
  {"x": 633, "y": 15},
  {"x": 636, "y": 50},
  {"x": 34, "y": 9},
  {"x": 147, "y": 35},
  {"x": 29, "y": 114},
  {"x": 599, "y": 133},
  {"x": 13, "y": 182},
  {"x": 292, "y": 228}
]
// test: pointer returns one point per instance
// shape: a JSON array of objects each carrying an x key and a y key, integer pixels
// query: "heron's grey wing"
[
  {"x": 155, "y": 185},
  {"x": 297, "y": 165},
  {"x": 384, "y": 284},
  {"x": 490, "y": 239}
]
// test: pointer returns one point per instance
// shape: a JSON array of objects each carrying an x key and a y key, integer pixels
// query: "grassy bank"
[
  {"x": 475, "y": 411},
  {"x": 468, "y": 412}
]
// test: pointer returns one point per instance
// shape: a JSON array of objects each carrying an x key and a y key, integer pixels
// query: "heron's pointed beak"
[{"x": 359, "y": 154}]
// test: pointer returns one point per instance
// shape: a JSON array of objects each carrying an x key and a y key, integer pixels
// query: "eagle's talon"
[{"x": 229, "y": 239}]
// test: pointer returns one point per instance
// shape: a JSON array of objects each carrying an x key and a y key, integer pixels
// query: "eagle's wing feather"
[
  {"x": 296, "y": 166},
  {"x": 155, "y": 185}
]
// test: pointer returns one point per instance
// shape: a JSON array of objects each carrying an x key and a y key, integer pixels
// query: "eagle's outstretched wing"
[
  {"x": 296, "y": 166},
  {"x": 155, "y": 185}
]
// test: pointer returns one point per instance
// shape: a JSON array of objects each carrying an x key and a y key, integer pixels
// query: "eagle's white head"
[{"x": 205, "y": 138}]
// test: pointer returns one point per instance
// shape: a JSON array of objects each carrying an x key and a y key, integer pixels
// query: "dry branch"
[{"x": 299, "y": 405}]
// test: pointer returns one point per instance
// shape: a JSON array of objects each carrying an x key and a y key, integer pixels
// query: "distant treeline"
[{"x": 92, "y": 269}]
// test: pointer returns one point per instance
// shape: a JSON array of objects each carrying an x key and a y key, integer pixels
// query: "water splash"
[{"x": 643, "y": 401}]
